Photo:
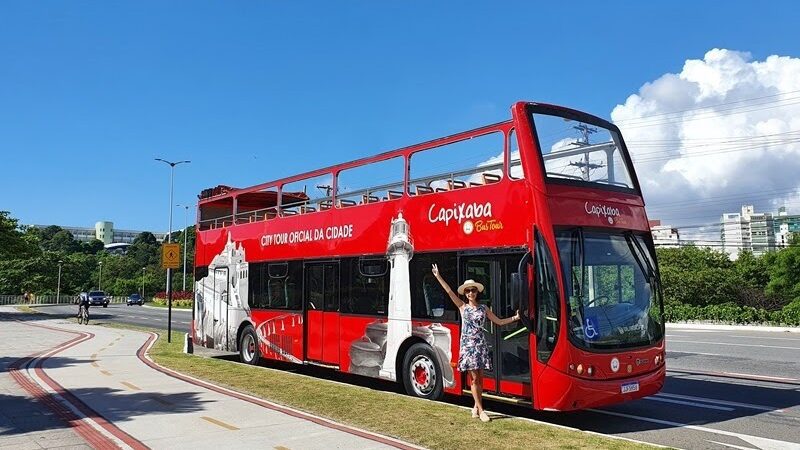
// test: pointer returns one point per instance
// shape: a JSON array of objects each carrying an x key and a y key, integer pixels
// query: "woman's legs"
[{"x": 476, "y": 377}]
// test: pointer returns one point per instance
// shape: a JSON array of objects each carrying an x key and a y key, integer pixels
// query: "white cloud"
[{"x": 723, "y": 132}]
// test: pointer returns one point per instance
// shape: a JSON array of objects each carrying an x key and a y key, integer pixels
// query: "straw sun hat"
[{"x": 468, "y": 284}]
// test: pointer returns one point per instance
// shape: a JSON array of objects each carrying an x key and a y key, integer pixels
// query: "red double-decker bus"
[{"x": 333, "y": 267}]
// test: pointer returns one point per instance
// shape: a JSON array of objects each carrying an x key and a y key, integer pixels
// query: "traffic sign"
[{"x": 170, "y": 255}]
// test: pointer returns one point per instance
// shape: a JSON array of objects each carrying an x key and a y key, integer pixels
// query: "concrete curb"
[{"x": 721, "y": 327}]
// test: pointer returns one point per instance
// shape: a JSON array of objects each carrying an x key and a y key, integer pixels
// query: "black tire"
[
  {"x": 248, "y": 347},
  {"x": 422, "y": 374},
  {"x": 105, "y": 306}
]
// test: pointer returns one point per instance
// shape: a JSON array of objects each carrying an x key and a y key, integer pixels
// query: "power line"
[{"x": 711, "y": 106}]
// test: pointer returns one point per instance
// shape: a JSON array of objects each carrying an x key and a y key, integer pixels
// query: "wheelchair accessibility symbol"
[{"x": 590, "y": 330}]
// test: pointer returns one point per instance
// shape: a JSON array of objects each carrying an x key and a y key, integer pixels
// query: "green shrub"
[
  {"x": 733, "y": 313},
  {"x": 180, "y": 303}
]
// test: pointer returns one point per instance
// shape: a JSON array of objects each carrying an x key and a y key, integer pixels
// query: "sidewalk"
[{"x": 94, "y": 373}]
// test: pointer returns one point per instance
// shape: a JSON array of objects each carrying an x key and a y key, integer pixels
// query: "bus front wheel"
[
  {"x": 248, "y": 347},
  {"x": 422, "y": 376}
]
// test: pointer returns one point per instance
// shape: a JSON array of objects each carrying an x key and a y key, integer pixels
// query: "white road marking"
[
  {"x": 765, "y": 377},
  {"x": 759, "y": 337},
  {"x": 737, "y": 345},
  {"x": 762, "y": 443},
  {"x": 694, "y": 353},
  {"x": 729, "y": 445},
  {"x": 720, "y": 402},
  {"x": 686, "y": 330},
  {"x": 681, "y": 402}
]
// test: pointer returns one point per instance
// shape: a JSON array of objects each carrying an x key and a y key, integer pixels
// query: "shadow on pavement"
[{"x": 21, "y": 415}]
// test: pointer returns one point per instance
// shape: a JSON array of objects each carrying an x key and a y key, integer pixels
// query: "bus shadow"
[{"x": 687, "y": 399}]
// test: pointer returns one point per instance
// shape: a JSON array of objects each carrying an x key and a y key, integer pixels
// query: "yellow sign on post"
[{"x": 170, "y": 255}]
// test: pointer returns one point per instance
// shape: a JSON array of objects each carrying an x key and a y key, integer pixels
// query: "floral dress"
[{"x": 474, "y": 353}]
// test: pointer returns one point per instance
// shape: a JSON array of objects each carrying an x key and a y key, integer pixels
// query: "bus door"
[
  {"x": 509, "y": 346},
  {"x": 321, "y": 303},
  {"x": 219, "y": 309}
]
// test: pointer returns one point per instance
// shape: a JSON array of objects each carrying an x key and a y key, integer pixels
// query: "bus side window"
[
  {"x": 428, "y": 299},
  {"x": 365, "y": 287}
]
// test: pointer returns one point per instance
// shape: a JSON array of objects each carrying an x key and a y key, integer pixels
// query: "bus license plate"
[{"x": 627, "y": 388}]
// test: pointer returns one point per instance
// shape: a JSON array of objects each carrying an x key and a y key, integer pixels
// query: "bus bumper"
[{"x": 561, "y": 392}]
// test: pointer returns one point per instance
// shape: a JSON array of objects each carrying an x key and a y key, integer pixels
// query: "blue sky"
[{"x": 91, "y": 92}]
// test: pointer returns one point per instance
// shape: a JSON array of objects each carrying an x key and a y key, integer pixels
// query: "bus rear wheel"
[
  {"x": 422, "y": 376},
  {"x": 248, "y": 347}
]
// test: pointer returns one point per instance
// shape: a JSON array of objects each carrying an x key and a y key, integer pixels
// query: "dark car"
[
  {"x": 135, "y": 299},
  {"x": 98, "y": 298}
]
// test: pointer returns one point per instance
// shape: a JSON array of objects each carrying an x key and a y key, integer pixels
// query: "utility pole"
[{"x": 583, "y": 141}]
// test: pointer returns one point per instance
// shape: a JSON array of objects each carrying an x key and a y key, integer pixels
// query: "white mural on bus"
[
  {"x": 375, "y": 353},
  {"x": 221, "y": 298}
]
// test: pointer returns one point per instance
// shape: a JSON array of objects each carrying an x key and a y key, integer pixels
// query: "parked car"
[
  {"x": 98, "y": 298},
  {"x": 135, "y": 299}
]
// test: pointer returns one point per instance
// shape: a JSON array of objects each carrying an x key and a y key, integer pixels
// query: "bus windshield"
[
  {"x": 614, "y": 297},
  {"x": 581, "y": 151}
]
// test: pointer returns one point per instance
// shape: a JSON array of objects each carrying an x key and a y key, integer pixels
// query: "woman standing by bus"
[{"x": 473, "y": 355}]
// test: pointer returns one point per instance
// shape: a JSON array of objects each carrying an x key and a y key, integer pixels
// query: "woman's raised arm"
[
  {"x": 458, "y": 302},
  {"x": 498, "y": 321}
]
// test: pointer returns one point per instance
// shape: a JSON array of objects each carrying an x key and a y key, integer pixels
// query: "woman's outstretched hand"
[{"x": 435, "y": 270}]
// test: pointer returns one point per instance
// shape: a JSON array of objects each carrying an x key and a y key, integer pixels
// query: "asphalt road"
[
  {"x": 724, "y": 389},
  {"x": 150, "y": 317}
]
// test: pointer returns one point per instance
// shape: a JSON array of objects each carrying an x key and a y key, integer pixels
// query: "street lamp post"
[
  {"x": 143, "y": 271},
  {"x": 185, "y": 234},
  {"x": 169, "y": 239},
  {"x": 58, "y": 286},
  {"x": 100, "y": 277}
]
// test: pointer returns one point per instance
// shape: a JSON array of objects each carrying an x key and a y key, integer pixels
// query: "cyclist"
[{"x": 83, "y": 302}]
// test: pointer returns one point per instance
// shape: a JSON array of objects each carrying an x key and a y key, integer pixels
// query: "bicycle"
[{"x": 83, "y": 315}]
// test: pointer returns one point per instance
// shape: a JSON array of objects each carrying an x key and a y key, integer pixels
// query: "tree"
[
  {"x": 13, "y": 243},
  {"x": 784, "y": 274},
  {"x": 63, "y": 242},
  {"x": 92, "y": 247},
  {"x": 695, "y": 276}
]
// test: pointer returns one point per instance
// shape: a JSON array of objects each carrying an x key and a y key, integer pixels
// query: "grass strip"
[{"x": 430, "y": 424}]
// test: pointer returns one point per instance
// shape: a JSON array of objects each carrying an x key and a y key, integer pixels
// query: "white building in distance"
[
  {"x": 747, "y": 231},
  {"x": 104, "y": 231},
  {"x": 664, "y": 235}
]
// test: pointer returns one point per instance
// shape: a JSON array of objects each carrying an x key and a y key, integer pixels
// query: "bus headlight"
[{"x": 580, "y": 369}]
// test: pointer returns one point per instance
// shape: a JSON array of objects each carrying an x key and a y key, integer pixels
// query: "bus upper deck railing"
[{"x": 442, "y": 182}]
